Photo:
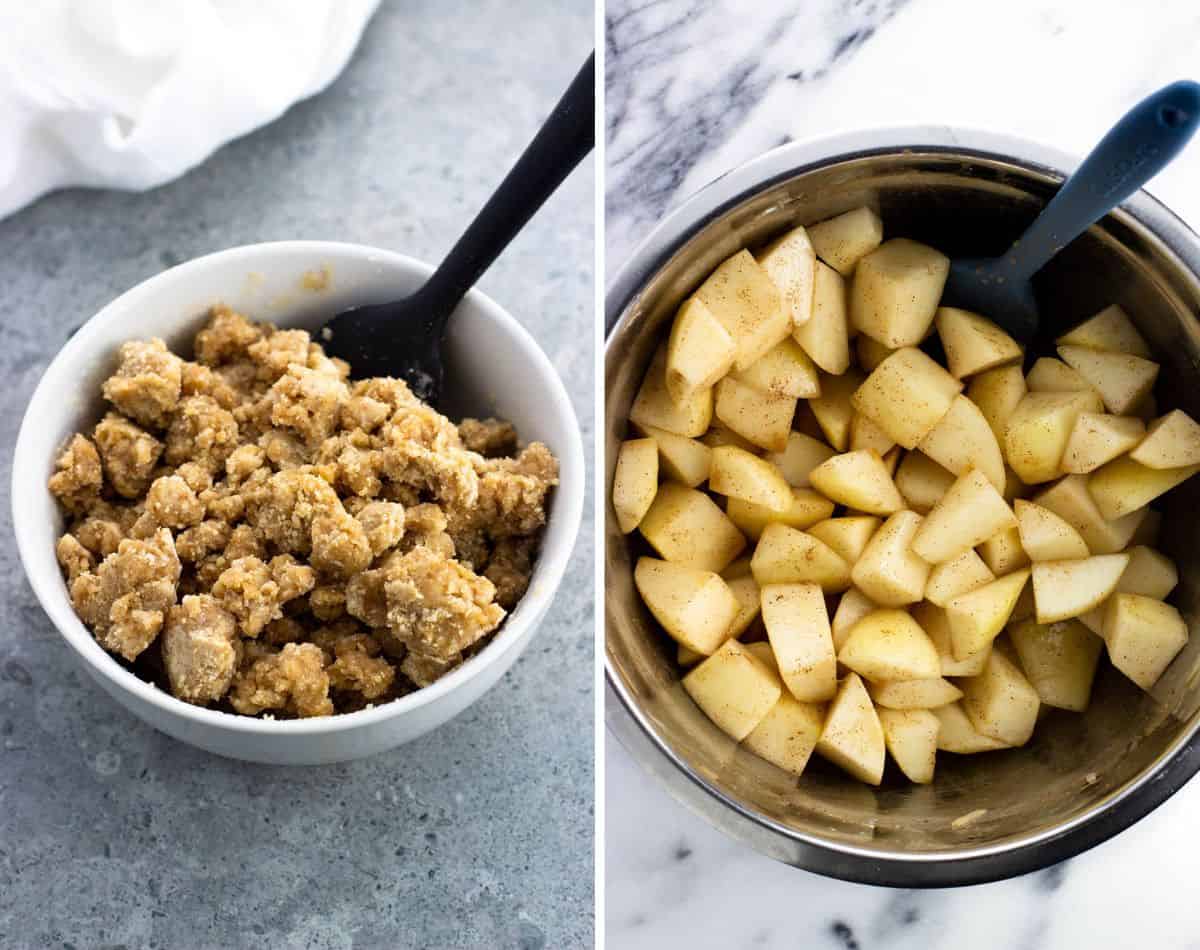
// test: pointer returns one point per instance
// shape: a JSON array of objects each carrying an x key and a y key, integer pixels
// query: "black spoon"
[{"x": 404, "y": 338}]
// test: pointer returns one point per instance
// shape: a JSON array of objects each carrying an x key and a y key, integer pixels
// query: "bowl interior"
[
  {"x": 966, "y": 205},
  {"x": 493, "y": 367}
]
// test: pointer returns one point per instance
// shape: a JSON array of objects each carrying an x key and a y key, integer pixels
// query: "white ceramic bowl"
[{"x": 493, "y": 367}]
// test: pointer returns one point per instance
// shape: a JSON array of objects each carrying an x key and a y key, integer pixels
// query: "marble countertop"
[
  {"x": 478, "y": 835},
  {"x": 695, "y": 87}
]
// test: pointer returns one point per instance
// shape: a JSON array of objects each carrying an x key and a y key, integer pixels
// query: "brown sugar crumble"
[{"x": 256, "y": 531}]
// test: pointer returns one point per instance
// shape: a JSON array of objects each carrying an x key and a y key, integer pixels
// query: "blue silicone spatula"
[{"x": 1136, "y": 149}]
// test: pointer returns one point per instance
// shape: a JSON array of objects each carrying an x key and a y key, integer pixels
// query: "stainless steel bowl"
[{"x": 1084, "y": 777}]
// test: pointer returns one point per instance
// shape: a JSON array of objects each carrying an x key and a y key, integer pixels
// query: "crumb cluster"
[{"x": 254, "y": 530}]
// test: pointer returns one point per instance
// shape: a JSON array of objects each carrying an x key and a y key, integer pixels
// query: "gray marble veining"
[{"x": 478, "y": 835}]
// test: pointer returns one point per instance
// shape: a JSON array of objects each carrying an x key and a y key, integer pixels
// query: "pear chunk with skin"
[
  {"x": 853, "y": 606},
  {"x": 1070, "y": 499},
  {"x": 798, "y": 630},
  {"x": 635, "y": 482},
  {"x": 695, "y": 607},
  {"x": 1000, "y": 702},
  {"x": 686, "y": 526},
  {"x": 848, "y": 536},
  {"x": 889, "y": 572},
  {"x": 787, "y": 735},
  {"x": 1059, "y": 659},
  {"x": 858, "y": 480},
  {"x": 914, "y": 694},
  {"x": 1122, "y": 380},
  {"x": 889, "y": 645},
  {"x": 734, "y": 688},
  {"x": 807, "y": 508},
  {"x": 977, "y": 617},
  {"x": 736, "y": 473},
  {"x": 784, "y": 555},
  {"x": 654, "y": 406},
  {"x": 958, "y": 575},
  {"x": 833, "y": 409},
  {"x": 1123, "y": 486},
  {"x": 911, "y": 738},
  {"x": 844, "y": 240},
  {"x": 907, "y": 395},
  {"x": 957, "y": 733},
  {"x": 921, "y": 481},
  {"x": 1172, "y": 441},
  {"x": 973, "y": 343},
  {"x": 970, "y": 512},
  {"x": 748, "y": 304},
  {"x": 1143, "y": 636},
  {"x": 1038, "y": 432},
  {"x": 852, "y": 738},
  {"x": 1098, "y": 438},
  {"x": 790, "y": 262},
  {"x": 962, "y": 440},
  {"x": 699, "y": 351},
  {"x": 785, "y": 370},
  {"x": 680, "y": 458},
  {"x": 1063, "y": 589},
  {"x": 895, "y": 292},
  {"x": 1045, "y": 536},
  {"x": 802, "y": 454},
  {"x": 826, "y": 335},
  {"x": 1049, "y": 375},
  {"x": 1110, "y": 329}
]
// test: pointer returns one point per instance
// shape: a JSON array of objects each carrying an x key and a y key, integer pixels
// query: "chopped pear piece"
[
  {"x": 1059, "y": 659},
  {"x": 798, "y": 629},
  {"x": 655, "y": 407},
  {"x": 977, "y": 617},
  {"x": 914, "y": 694},
  {"x": 911, "y": 736},
  {"x": 895, "y": 292},
  {"x": 859, "y": 481},
  {"x": 686, "y": 526},
  {"x": 843, "y": 240},
  {"x": 1143, "y": 636},
  {"x": 970, "y": 512},
  {"x": 852, "y": 607},
  {"x": 833, "y": 409},
  {"x": 826, "y": 336},
  {"x": 1098, "y": 438},
  {"x": 734, "y": 689},
  {"x": 906, "y": 396},
  {"x": 1148, "y": 573},
  {"x": 699, "y": 351},
  {"x": 683, "y": 459},
  {"x": 1045, "y": 536},
  {"x": 695, "y": 607},
  {"x": 1122, "y": 380},
  {"x": 888, "y": 571},
  {"x": 1063, "y": 589},
  {"x": 802, "y": 455},
  {"x": 719, "y": 435},
  {"x": 806, "y": 509},
  {"x": 1172, "y": 441},
  {"x": 957, "y": 734},
  {"x": 973, "y": 344},
  {"x": 761, "y": 650},
  {"x": 762, "y": 418},
  {"x": 749, "y": 604},
  {"x": 1071, "y": 501},
  {"x": 889, "y": 645},
  {"x": 736, "y": 473},
  {"x": 1002, "y": 552},
  {"x": 785, "y": 370},
  {"x": 1049, "y": 375},
  {"x": 922, "y": 482},
  {"x": 787, "y": 556},
  {"x": 685, "y": 656},
  {"x": 848, "y": 536},
  {"x": 741, "y": 295},
  {"x": 635, "y": 482},
  {"x": 739, "y": 567},
  {"x": 790, "y": 261},
  {"x": 864, "y": 434},
  {"x": 1039, "y": 429},
  {"x": 852, "y": 738},
  {"x": 962, "y": 439},
  {"x": 934, "y": 622},
  {"x": 1123, "y": 486},
  {"x": 997, "y": 393},
  {"x": 870, "y": 353},
  {"x": 1110, "y": 329},
  {"x": 958, "y": 575},
  {"x": 1000, "y": 702},
  {"x": 787, "y": 735}
]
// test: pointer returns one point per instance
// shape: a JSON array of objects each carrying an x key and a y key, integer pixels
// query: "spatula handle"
[
  {"x": 567, "y": 136},
  {"x": 1136, "y": 149}
]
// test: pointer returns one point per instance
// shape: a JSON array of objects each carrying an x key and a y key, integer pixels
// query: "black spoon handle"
[{"x": 561, "y": 144}]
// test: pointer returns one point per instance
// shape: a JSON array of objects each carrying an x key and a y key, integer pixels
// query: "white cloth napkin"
[{"x": 132, "y": 93}]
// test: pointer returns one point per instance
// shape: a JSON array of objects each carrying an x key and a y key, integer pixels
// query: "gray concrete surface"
[{"x": 479, "y": 835}]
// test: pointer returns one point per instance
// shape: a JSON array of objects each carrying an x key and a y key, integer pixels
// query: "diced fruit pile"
[{"x": 938, "y": 551}]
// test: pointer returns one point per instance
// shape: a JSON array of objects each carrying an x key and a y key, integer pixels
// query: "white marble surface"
[{"x": 696, "y": 87}]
